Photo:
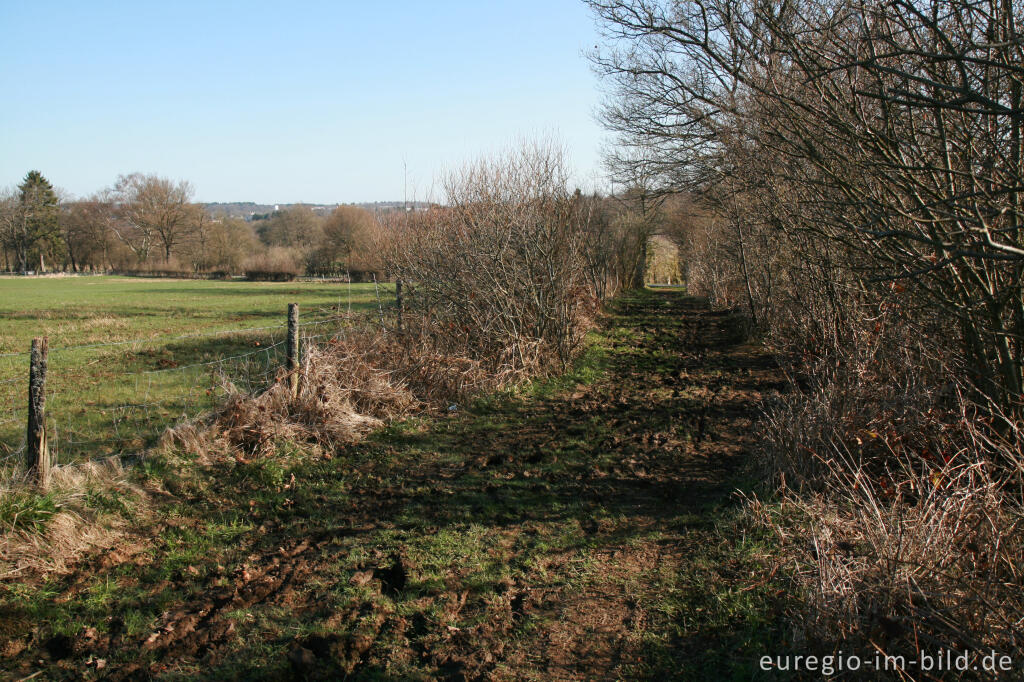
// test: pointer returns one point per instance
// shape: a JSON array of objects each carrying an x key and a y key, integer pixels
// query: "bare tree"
[
  {"x": 296, "y": 227},
  {"x": 218, "y": 243},
  {"x": 153, "y": 213},
  {"x": 346, "y": 242},
  {"x": 85, "y": 228},
  {"x": 858, "y": 171},
  {"x": 883, "y": 139}
]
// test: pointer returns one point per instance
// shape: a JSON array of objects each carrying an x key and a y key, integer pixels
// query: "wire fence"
[{"x": 117, "y": 398}]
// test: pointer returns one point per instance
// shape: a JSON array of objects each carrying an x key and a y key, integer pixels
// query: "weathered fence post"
[
  {"x": 37, "y": 453},
  {"x": 398, "y": 301},
  {"x": 293, "y": 348}
]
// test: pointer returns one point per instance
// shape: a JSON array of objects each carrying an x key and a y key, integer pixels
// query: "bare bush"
[
  {"x": 499, "y": 274},
  {"x": 912, "y": 553},
  {"x": 497, "y": 290},
  {"x": 903, "y": 505}
]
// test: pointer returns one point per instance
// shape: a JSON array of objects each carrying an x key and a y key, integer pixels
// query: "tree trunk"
[
  {"x": 746, "y": 274},
  {"x": 640, "y": 273}
]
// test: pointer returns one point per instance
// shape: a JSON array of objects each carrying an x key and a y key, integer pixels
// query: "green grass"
[
  {"x": 518, "y": 521},
  {"x": 26, "y": 511},
  {"x": 118, "y": 398}
]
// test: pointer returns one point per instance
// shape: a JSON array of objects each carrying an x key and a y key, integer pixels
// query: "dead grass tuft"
[
  {"x": 88, "y": 506},
  {"x": 348, "y": 386}
]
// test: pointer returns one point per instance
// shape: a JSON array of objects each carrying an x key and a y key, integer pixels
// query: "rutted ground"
[{"x": 583, "y": 530}]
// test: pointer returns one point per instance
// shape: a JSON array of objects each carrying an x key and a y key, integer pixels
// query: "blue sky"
[{"x": 287, "y": 102}]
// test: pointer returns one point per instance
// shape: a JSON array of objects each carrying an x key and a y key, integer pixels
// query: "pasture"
[{"x": 131, "y": 356}]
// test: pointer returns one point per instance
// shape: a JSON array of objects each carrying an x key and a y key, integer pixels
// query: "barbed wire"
[
  {"x": 20, "y": 452},
  {"x": 153, "y": 402},
  {"x": 213, "y": 362},
  {"x": 81, "y": 429},
  {"x": 250, "y": 368},
  {"x": 169, "y": 339},
  {"x": 248, "y": 371}
]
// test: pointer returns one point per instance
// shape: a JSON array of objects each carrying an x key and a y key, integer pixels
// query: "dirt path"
[{"x": 583, "y": 531}]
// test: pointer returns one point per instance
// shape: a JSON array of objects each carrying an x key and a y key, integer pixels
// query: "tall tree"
[
  {"x": 33, "y": 226},
  {"x": 347, "y": 241},
  {"x": 154, "y": 212},
  {"x": 85, "y": 228},
  {"x": 295, "y": 227}
]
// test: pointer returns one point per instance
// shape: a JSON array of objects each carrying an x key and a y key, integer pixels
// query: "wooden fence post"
[
  {"x": 37, "y": 453},
  {"x": 398, "y": 301},
  {"x": 293, "y": 348}
]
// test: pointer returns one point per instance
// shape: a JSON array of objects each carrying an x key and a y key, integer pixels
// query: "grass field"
[{"x": 130, "y": 356}]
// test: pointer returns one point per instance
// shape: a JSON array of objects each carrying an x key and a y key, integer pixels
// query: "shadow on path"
[{"x": 575, "y": 532}]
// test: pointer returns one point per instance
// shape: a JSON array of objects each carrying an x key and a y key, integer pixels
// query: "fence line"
[
  {"x": 222, "y": 332},
  {"x": 168, "y": 339},
  {"x": 160, "y": 403},
  {"x": 81, "y": 429},
  {"x": 213, "y": 362}
]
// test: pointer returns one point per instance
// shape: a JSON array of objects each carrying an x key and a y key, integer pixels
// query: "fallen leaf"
[{"x": 361, "y": 577}]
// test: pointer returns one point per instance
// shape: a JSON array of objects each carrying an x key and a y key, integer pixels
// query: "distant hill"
[{"x": 249, "y": 210}]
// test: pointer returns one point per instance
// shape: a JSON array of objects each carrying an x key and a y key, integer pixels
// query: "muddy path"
[{"x": 585, "y": 530}]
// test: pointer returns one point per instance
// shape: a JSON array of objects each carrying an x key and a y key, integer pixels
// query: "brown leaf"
[{"x": 361, "y": 577}]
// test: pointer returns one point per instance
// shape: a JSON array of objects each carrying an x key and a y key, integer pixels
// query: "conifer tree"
[{"x": 36, "y": 231}]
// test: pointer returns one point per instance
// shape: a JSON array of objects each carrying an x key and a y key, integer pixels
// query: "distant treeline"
[{"x": 146, "y": 223}]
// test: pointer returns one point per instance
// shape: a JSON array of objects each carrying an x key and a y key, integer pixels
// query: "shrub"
[
  {"x": 498, "y": 275},
  {"x": 269, "y": 276},
  {"x": 277, "y": 264}
]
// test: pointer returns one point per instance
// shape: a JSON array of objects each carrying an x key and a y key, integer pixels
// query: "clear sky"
[{"x": 289, "y": 101}]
